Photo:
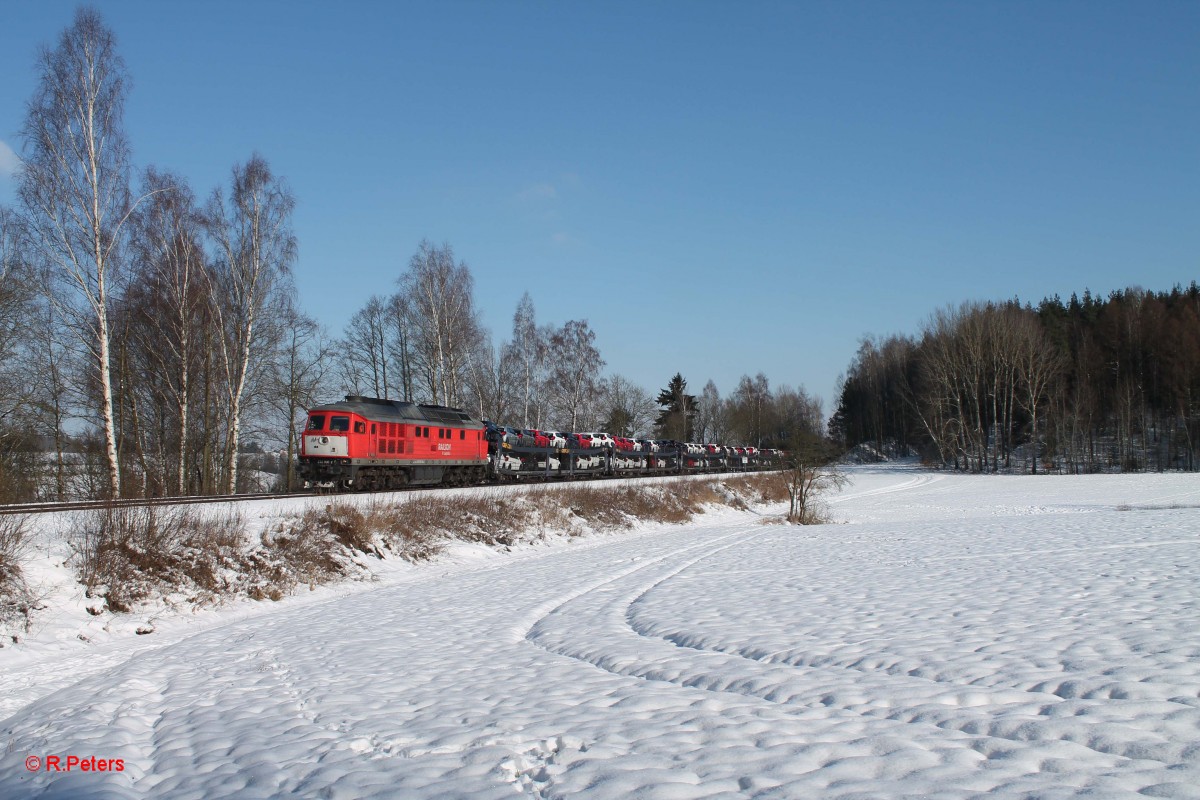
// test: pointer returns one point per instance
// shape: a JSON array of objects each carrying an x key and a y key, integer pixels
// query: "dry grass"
[
  {"x": 418, "y": 529},
  {"x": 131, "y": 555},
  {"x": 346, "y": 524},
  {"x": 408, "y": 530},
  {"x": 14, "y": 533},
  {"x": 127, "y": 555},
  {"x": 302, "y": 551},
  {"x": 608, "y": 508},
  {"x": 17, "y": 601},
  {"x": 593, "y": 507},
  {"x": 760, "y": 487}
]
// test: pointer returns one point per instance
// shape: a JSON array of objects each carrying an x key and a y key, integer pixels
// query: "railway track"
[{"x": 87, "y": 505}]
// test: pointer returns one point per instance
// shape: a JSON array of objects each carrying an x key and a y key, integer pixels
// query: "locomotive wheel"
[{"x": 400, "y": 479}]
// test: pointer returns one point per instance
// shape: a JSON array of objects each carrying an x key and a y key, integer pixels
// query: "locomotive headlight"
[{"x": 324, "y": 440}]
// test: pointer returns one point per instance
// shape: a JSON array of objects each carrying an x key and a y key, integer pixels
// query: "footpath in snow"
[{"x": 952, "y": 637}]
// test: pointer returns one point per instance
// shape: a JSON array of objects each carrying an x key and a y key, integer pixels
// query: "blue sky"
[{"x": 720, "y": 188}]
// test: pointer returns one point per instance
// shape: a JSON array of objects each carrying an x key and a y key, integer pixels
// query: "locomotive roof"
[{"x": 379, "y": 409}]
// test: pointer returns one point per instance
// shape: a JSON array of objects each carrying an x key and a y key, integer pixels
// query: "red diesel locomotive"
[{"x": 367, "y": 443}]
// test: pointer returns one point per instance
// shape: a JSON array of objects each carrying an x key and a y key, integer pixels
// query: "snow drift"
[{"x": 961, "y": 636}]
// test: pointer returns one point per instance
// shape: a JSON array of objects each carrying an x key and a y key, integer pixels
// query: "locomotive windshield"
[
  {"x": 316, "y": 422},
  {"x": 339, "y": 423}
]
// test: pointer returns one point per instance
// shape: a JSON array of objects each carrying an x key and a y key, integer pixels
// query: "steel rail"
[{"x": 511, "y": 480}]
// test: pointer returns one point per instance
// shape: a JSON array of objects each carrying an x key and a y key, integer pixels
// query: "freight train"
[{"x": 369, "y": 444}]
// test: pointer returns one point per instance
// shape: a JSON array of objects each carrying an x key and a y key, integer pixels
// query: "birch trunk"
[{"x": 74, "y": 185}]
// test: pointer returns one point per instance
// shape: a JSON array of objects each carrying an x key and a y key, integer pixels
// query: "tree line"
[
  {"x": 425, "y": 343},
  {"x": 162, "y": 323},
  {"x": 151, "y": 336},
  {"x": 1085, "y": 385}
]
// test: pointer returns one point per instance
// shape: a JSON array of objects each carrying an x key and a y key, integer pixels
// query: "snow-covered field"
[{"x": 954, "y": 636}]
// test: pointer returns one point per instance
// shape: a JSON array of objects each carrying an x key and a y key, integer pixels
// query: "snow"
[{"x": 951, "y": 636}]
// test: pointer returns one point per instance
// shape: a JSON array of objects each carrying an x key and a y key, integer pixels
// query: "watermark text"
[{"x": 73, "y": 763}]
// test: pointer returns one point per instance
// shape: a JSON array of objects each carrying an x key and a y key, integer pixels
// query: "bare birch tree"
[
  {"x": 399, "y": 344},
  {"x": 708, "y": 413},
  {"x": 444, "y": 324},
  {"x": 16, "y": 300},
  {"x": 630, "y": 409},
  {"x": 18, "y": 326},
  {"x": 1039, "y": 365},
  {"x": 749, "y": 405},
  {"x": 296, "y": 377},
  {"x": 74, "y": 186},
  {"x": 575, "y": 366},
  {"x": 488, "y": 393},
  {"x": 51, "y": 347},
  {"x": 169, "y": 256},
  {"x": 528, "y": 356},
  {"x": 254, "y": 234},
  {"x": 365, "y": 367},
  {"x": 794, "y": 413}
]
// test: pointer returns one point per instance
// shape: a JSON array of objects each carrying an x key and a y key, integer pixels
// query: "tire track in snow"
[
  {"x": 914, "y": 482},
  {"x": 594, "y": 624},
  {"x": 544, "y": 610}
]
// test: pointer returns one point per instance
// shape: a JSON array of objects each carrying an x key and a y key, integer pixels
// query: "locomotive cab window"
[
  {"x": 337, "y": 424},
  {"x": 462, "y": 434},
  {"x": 316, "y": 422},
  {"x": 360, "y": 427}
]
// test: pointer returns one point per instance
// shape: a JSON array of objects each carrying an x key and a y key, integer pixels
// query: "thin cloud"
[
  {"x": 10, "y": 162},
  {"x": 536, "y": 192}
]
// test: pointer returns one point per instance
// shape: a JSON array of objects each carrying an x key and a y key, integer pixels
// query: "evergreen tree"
[
  {"x": 619, "y": 422},
  {"x": 677, "y": 418}
]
